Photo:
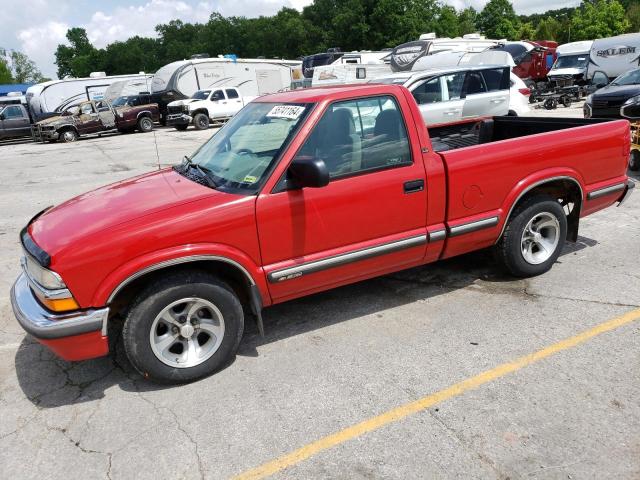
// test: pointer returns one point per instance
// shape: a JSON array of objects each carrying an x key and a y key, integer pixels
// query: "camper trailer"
[
  {"x": 341, "y": 74},
  {"x": 57, "y": 95},
  {"x": 403, "y": 57},
  {"x": 252, "y": 77},
  {"x": 578, "y": 62}
]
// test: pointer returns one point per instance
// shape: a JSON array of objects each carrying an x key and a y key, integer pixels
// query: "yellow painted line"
[{"x": 422, "y": 404}]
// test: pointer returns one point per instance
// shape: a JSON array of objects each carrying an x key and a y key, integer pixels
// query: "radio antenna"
[{"x": 155, "y": 140}]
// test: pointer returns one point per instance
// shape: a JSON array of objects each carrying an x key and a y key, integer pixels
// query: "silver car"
[{"x": 457, "y": 93}]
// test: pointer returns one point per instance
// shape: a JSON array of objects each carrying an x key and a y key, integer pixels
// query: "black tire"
[
  {"x": 182, "y": 128},
  {"x": 566, "y": 101},
  {"x": 68, "y": 136},
  {"x": 145, "y": 124},
  {"x": 161, "y": 294},
  {"x": 201, "y": 121},
  {"x": 550, "y": 104},
  {"x": 508, "y": 250},
  {"x": 634, "y": 160}
]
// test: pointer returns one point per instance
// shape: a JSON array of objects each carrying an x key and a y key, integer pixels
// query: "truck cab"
[
  {"x": 14, "y": 121},
  {"x": 215, "y": 105}
]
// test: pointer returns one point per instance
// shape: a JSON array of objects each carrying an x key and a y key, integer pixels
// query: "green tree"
[
  {"x": 597, "y": 19},
  {"x": 24, "y": 69},
  {"x": 447, "y": 22},
  {"x": 498, "y": 20},
  {"x": 80, "y": 58},
  {"x": 547, "y": 29},
  {"x": 397, "y": 21},
  {"x": 467, "y": 21},
  {"x": 5, "y": 71},
  {"x": 633, "y": 15}
]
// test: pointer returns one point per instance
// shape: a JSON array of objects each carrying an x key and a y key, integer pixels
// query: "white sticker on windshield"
[
  {"x": 290, "y": 112},
  {"x": 582, "y": 58}
]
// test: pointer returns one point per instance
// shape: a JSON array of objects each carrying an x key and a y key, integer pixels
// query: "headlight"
[
  {"x": 49, "y": 287},
  {"x": 44, "y": 277},
  {"x": 633, "y": 100}
]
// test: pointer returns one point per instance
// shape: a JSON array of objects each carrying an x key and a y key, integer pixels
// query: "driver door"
[
  {"x": 87, "y": 119},
  {"x": 368, "y": 220}
]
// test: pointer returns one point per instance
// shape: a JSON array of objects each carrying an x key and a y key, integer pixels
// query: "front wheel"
[
  {"x": 181, "y": 128},
  {"x": 68, "y": 136},
  {"x": 533, "y": 238},
  {"x": 145, "y": 124},
  {"x": 201, "y": 121},
  {"x": 183, "y": 327}
]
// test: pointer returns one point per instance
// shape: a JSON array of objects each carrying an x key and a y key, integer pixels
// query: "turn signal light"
[{"x": 60, "y": 304}]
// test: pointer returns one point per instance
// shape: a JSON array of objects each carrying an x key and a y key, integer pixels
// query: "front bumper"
[
  {"x": 178, "y": 119},
  {"x": 77, "y": 335},
  {"x": 627, "y": 192},
  {"x": 40, "y": 134}
]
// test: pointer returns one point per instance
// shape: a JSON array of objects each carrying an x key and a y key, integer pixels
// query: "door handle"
[
  {"x": 413, "y": 186},
  {"x": 497, "y": 100}
]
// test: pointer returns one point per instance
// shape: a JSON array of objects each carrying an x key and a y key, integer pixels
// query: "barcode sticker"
[{"x": 290, "y": 112}]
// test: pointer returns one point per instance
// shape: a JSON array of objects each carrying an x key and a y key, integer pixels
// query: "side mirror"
[
  {"x": 1, "y": 116},
  {"x": 601, "y": 85},
  {"x": 309, "y": 172}
]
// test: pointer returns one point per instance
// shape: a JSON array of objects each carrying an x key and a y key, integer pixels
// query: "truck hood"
[
  {"x": 76, "y": 220},
  {"x": 54, "y": 119},
  {"x": 558, "y": 72},
  {"x": 179, "y": 103}
]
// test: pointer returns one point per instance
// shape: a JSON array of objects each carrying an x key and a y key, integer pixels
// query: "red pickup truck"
[{"x": 301, "y": 192}]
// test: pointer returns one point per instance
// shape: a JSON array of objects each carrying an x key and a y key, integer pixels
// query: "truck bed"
[{"x": 493, "y": 129}]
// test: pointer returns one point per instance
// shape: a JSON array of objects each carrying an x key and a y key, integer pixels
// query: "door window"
[
  {"x": 429, "y": 92},
  {"x": 232, "y": 94},
  {"x": 13, "y": 112},
  {"x": 217, "y": 95},
  {"x": 453, "y": 85},
  {"x": 86, "y": 109},
  {"x": 496, "y": 79},
  {"x": 358, "y": 136},
  {"x": 475, "y": 83}
]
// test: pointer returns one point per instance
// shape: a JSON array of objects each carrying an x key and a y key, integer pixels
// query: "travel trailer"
[
  {"x": 56, "y": 95},
  {"x": 578, "y": 62},
  {"x": 252, "y": 77},
  {"x": 341, "y": 74},
  {"x": 403, "y": 57}
]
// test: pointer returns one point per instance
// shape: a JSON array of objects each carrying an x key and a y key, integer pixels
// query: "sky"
[{"x": 36, "y": 27}]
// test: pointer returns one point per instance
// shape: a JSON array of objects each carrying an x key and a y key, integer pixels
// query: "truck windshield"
[
  {"x": 572, "y": 61},
  {"x": 201, "y": 94},
  {"x": 629, "y": 78},
  {"x": 239, "y": 156}
]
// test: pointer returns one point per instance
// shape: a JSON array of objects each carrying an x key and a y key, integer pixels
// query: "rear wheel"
[
  {"x": 634, "y": 160},
  {"x": 183, "y": 327},
  {"x": 533, "y": 238},
  {"x": 68, "y": 136},
  {"x": 145, "y": 124},
  {"x": 201, "y": 121}
]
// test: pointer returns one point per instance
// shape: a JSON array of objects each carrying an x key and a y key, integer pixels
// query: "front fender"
[{"x": 132, "y": 269}]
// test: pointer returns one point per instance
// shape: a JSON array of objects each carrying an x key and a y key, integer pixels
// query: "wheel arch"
[
  {"x": 144, "y": 113},
  {"x": 66, "y": 127},
  {"x": 566, "y": 187}
]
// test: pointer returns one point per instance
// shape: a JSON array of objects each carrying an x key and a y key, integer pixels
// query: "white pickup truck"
[{"x": 205, "y": 107}]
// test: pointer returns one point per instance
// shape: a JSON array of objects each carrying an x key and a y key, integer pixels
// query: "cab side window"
[
  {"x": 13, "y": 112},
  {"x": 358, "y": 136},
  {"x": 475, "y": 83},
  {"x": 217, "y": 95},
  {"x": 86, "y": 109},
  {"x": 231, "y": 94}
]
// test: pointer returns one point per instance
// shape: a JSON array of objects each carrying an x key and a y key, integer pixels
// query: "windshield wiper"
[{"x": 205, "y": 173}]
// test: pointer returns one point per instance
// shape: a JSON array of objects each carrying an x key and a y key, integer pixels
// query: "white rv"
[
  {"x": 403, "y": 57},
  {"x": 348, "y": 73},
  {"x": 252, "y": 77},
  {"x": 580, "y": 61},
  {"x": 57, "y": 95}
]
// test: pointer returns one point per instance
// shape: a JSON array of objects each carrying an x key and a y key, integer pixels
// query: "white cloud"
[{"x": 39, "y": 43}]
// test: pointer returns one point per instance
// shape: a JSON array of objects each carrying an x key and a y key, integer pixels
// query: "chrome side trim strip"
[
  {"x": 345, "y": 258},
  {"x": 601, "y": 192},
  {"x": 531, "y": 187},
  {"x": 437, "y": 235},
  {"x": 473, "y": 226},
  {"x": 177, "y": 261}
]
